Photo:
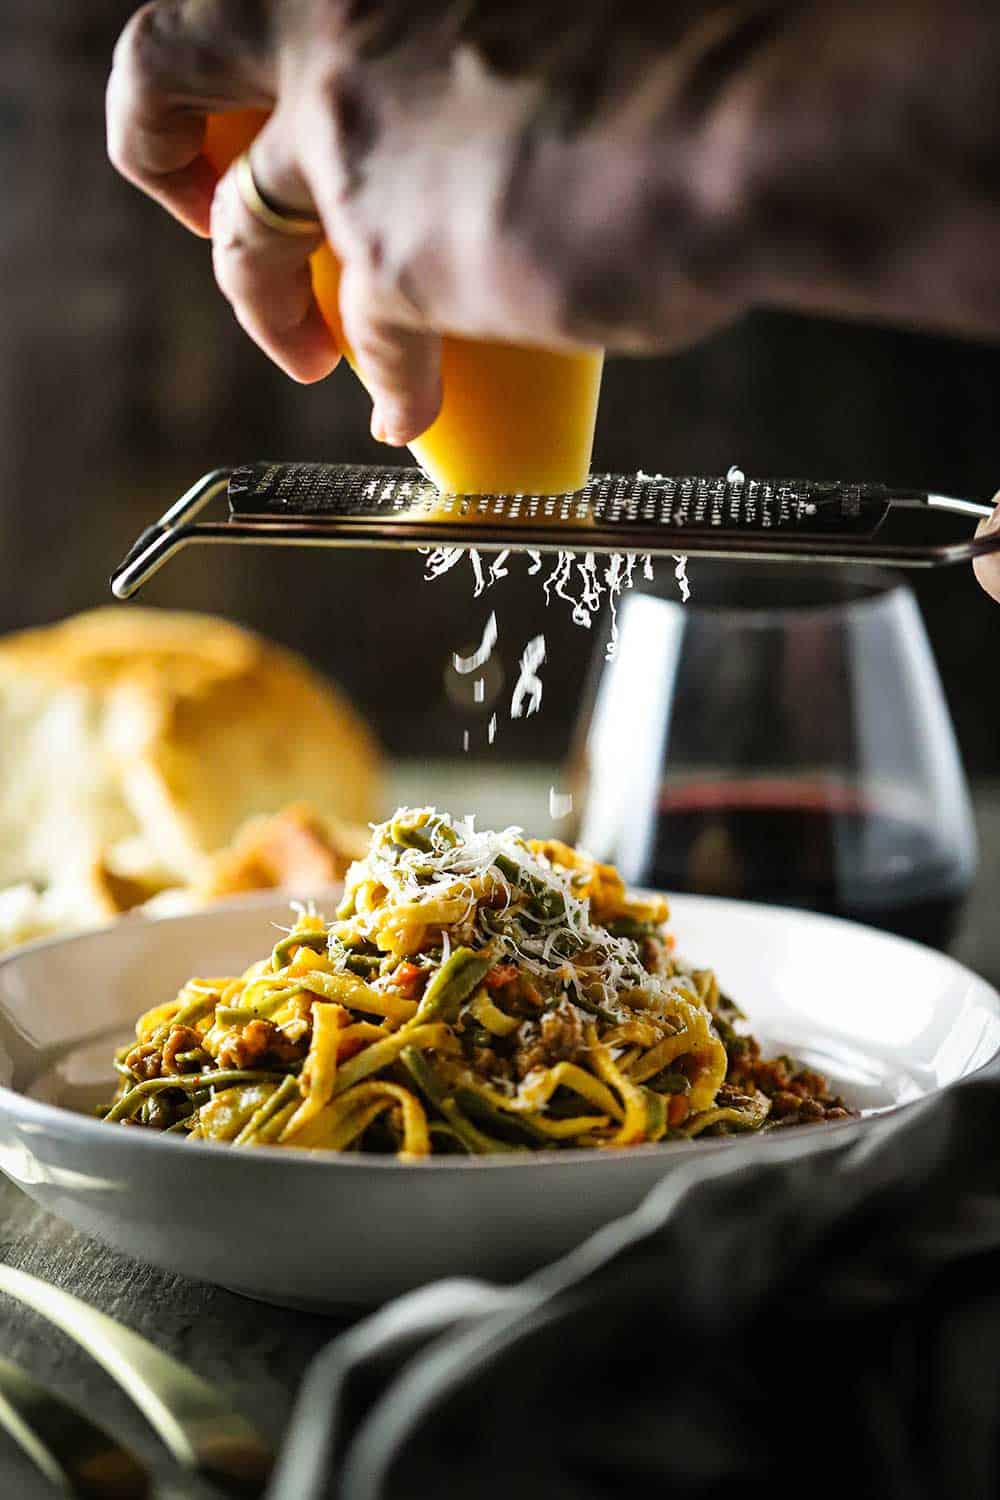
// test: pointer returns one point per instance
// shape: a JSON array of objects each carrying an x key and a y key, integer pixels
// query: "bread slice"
[{"x": 167, "y": 731}]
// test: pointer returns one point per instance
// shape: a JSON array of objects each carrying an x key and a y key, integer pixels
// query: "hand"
[
  {"x": 449, "y": 200},
  {"x": 628, "y": 176}
]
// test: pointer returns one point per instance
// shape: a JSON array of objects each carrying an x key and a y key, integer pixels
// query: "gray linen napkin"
[{"x": 817, "y": 1312}]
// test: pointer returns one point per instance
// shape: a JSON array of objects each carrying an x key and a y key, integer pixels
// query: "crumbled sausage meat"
[
  {"x": 145, "y": 1061},
  {"x": 257, "y": 1044},
  {"x": 556, "y": 1037},
  {"x": 798, "y": 1095},
  {"x": 183, "y": 1039}
]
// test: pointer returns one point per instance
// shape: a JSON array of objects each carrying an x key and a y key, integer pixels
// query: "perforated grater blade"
[{"x": 330, "y": 505}]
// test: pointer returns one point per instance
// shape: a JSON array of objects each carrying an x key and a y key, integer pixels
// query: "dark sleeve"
[{"x": 839, "y": 156}]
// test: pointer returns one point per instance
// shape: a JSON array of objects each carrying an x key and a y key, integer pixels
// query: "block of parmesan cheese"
[{"x": 512, "y": 420}]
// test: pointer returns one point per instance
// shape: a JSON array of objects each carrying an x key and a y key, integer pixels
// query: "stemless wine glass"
[{"x": 782, "y": 737}]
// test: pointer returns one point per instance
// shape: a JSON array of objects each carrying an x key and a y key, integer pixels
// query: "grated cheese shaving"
[
  {"x": 441, "y": 560},
  {"x": 560, "y": 803},
  {"x": 529, "y": 684},
  {"x": 497, "y": 568},
  {"x": 483, "y": 652}
]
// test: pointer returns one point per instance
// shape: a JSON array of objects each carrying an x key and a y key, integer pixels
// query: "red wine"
[{"x": 812, "y": 846}]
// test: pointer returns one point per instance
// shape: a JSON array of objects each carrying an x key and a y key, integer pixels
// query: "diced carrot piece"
[
  {"x": 406, "y": 974},
  {"x": 500, "y": 975},
  {"x": 677, "y": 1110}
]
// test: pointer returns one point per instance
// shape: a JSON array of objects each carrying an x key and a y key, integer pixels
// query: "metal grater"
[{"x": 343, "y": 505}]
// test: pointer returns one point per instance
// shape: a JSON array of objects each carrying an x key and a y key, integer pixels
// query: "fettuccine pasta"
[{"x": 475, "y": 992}]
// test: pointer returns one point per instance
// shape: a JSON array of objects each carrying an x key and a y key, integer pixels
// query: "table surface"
[{"x": 254, "y": 1353}]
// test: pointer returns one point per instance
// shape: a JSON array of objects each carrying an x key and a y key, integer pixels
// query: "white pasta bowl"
[{"x": 888, "y": 1021}]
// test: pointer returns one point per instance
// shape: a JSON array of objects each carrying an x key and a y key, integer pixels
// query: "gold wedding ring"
[{"x": 266, "y": 213}]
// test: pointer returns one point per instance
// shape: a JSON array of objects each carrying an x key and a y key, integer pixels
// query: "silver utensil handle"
[
  {"x": 72, "y": 1452},
  {"x": 192, "y": 1419}
]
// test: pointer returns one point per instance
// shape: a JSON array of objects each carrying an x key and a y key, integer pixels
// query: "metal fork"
[
  {"x": 197, "y": 1426},
  {"x": 68, "y": 1448}
]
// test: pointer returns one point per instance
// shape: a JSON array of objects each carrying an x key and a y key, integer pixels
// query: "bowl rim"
[{"x": 63, "y": 1121}]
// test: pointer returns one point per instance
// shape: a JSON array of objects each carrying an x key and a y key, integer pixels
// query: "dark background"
[{"x": 123, "y": 376}]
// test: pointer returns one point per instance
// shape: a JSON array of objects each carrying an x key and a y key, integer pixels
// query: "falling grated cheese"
[
  {"x": 483, "y": 652},
  {"x": 529, "y": 684},
  {"x": 442, "y": 560},
  {"x": 560, "y": 804},
  {"x": 559, "y": 578},
  {"x": 596, "y": 585},
  {"x": 497, "y": 568}
]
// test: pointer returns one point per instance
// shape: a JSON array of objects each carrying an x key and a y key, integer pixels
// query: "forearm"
[{"x": 834, "y": 156}]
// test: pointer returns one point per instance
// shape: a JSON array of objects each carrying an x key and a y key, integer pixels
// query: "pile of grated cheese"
[{"x": 473, "y": 867}]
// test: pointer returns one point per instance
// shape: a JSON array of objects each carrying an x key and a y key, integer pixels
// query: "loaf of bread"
[
  {"x": 295, "y": 851},
  {"x": 138, "y": 741}
]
